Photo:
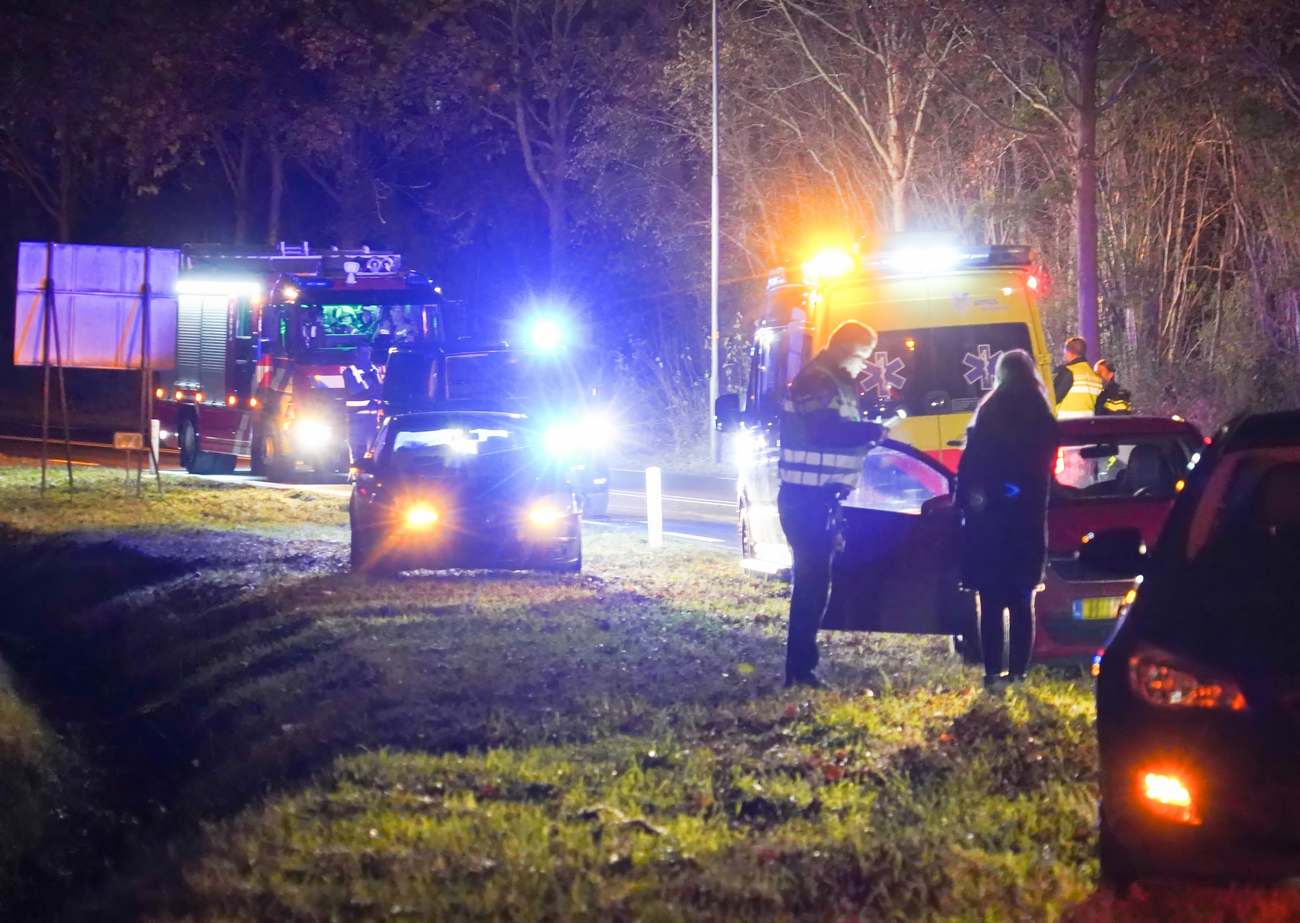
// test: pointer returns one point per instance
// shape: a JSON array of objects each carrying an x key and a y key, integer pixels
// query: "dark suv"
[{"x": 1198, "y": 693}]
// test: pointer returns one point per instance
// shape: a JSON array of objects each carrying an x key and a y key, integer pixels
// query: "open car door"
[{"x": 899, "y": 568}]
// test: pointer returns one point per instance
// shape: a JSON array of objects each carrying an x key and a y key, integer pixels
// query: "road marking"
[
  {"x": 695, "y": 538},
  {"x": 635, "y": 525},
  {"x": 669, "y": 498}
]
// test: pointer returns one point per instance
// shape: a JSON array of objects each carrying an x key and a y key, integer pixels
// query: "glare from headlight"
[
  {"x": 311, "y": 434},
  {"x": 560, "y": 441},
  {"x": 421, "y": 516},
  {"x": 598, "y": 431},
  {"x": 545, "y": 513}
]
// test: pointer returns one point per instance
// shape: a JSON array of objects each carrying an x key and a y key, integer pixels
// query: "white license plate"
[{"x": 1097, "y": 607}]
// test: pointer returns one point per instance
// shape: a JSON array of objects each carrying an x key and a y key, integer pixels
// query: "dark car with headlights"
[
  {"x": 1198, "y": 692},
  {"x": 544, "y": 386},
  {"x": 462, "y": 489}
]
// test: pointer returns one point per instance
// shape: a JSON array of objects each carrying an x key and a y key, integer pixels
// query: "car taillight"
[
  {"x": 1161, "y": 679},
  {"x": 1167, "y": 793}
]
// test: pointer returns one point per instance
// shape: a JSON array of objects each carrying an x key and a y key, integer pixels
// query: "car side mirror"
[
  {"x": 945, "y": 503},
  {"x": 726, "y": 413},
  {"x": 1119, "y": 553}
]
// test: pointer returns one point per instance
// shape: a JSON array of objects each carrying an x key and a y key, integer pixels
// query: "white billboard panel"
[{"x": 98, "y": 303}]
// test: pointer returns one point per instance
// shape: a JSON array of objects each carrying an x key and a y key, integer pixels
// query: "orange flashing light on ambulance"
[{"x": 944, "y": 314}]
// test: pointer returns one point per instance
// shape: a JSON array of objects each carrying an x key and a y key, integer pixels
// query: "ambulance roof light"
[{"x": 829, "y": 264}]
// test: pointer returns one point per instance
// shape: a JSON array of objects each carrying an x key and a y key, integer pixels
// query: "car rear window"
[
  {"x": 454, "y": 444},
  {"x": 1252, "y": 498},
  {"x": 1125, "y": 467}
]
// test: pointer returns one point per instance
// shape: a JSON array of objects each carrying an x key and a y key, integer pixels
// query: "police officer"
[
  {"x": 1113, "y": 399},
  {"x": 1076, "y": 384},
  {"x": 824, "y": 440},
  {"x": 362, "y": 386}
]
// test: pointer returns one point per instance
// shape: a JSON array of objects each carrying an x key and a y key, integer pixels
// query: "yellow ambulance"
[{"x": 944, "y": 314}]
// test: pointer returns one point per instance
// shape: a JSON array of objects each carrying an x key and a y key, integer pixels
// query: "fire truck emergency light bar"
[
  {"x": 903, "y": 260},
  {"x": 296, "y": 260}
]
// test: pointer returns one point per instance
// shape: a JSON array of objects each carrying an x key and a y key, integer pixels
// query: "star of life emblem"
[
  {"x": 980, "y": 366},
  {"x": 883, "y": 373}
]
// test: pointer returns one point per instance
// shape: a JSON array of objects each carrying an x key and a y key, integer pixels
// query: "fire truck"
[{"x": 262, "y": 342}]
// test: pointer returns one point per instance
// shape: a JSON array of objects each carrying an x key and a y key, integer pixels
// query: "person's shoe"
[
  {"x": 995, "y": 683},
  {"x": 808, "y": 680},
  {"x": 1016, "y": 678}
]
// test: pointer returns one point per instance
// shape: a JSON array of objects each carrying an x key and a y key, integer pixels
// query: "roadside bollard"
[
  {"x": 155, "y": 437},
  {"x": 654, "y": 506}
]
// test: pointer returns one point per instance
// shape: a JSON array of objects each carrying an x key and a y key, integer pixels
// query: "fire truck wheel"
[
  {"x": 256, "y": 460},
  {"x": 274, "y": 464},
  {"x": 195, "y": 460}
]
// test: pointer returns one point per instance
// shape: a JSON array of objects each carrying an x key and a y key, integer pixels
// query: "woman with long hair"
[{"x": 1003, "y": 484}]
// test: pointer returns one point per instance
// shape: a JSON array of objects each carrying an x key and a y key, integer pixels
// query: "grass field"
[
  {"x": 610, "y": 746},
  {"x": 102, "y": 498}
]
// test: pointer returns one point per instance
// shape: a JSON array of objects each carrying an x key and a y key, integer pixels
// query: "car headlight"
[
  {"x": 420, "y": 516},
  {"x": 1161, "y": 679},
  {"x": 545, "y": 513},
  {"x": 311, "y": 434}
]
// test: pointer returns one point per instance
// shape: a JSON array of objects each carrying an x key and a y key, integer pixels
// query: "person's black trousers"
[
  {"x": 1019, "y": 603},
  {"x": 810, "y": 517}
]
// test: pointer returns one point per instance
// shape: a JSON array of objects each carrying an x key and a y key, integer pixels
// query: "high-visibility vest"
[
  {"x": 1114, "y": 400},
  {"x": 808, "y": 458},
  {"x": 1081, "y": 399}
]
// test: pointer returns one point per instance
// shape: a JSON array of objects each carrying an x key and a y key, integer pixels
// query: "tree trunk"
[
  {"x": 276, "y": 199},
  {"x": 557, "y": 228},
  {"x": 241, "y": 187},
  {"x": 67, "y": 198},
  {"x": 1085, "y": 190}
]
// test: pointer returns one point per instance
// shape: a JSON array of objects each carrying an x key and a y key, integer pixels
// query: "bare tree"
[
  {"x": 1067, "y": 65},
  {"x": 878, "y": 61}
]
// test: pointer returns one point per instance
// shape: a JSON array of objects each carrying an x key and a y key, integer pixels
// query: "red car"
[
  {"x": 1111, "y": 472},
  {"x": 899, "y": 569}
]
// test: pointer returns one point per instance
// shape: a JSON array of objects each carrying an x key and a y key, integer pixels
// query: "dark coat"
[{"x": 1003, "y": 484}]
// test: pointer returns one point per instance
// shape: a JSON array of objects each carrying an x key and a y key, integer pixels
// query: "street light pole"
[{"x": 713, "y": 268}]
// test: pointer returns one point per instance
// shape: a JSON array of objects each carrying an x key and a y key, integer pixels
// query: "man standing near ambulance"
[
  {"x": 1075, "y": 383},
  {"x": 824, "y": 441}
]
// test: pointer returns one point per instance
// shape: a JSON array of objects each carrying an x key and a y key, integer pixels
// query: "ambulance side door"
[{"x": 898, "y": 571}]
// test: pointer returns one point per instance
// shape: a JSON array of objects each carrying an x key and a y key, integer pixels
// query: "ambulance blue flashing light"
[{"x": 546, "y": 334}]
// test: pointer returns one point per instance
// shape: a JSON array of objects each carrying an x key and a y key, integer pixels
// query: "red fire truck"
[{"x": 262, "y": 341}]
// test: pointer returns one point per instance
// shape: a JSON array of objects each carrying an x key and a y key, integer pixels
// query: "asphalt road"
[{"x": 696, "y": 508}]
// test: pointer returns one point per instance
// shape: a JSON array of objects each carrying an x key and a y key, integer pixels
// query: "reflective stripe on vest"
[
  {"x": 1081, "y": 399},
  {"x": 816, "y": 469}
]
